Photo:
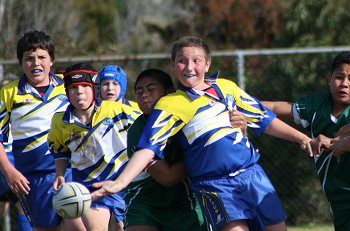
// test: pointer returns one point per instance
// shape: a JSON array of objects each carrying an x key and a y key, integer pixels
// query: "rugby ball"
[{"x": 71, "y": 200}]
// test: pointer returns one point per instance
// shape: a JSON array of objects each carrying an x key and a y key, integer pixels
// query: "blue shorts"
[
  {"x": 37, "y": 205},
  {"x": 247, "y": 196},
  {"x": 114, "y": 203}
]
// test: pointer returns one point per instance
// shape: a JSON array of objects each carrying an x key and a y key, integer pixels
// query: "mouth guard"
[
  {"x": 37, "y": 71},
  {"x": 189, "y": 75}
]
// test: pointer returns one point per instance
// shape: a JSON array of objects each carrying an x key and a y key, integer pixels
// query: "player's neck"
[
  {"x": 84, "y": 116},
  {"x": 338, "y": 109}
]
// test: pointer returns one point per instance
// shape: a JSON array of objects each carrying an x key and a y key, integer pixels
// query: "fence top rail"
[{"x": 228, "y": 53}]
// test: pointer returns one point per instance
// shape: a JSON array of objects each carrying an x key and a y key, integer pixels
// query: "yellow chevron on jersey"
[{"x": 98, "y": 152}]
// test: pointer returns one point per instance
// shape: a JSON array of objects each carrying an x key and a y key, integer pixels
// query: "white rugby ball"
[{"x": 71, "y": 200}]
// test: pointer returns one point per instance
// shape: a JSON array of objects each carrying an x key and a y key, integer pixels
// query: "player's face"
[
  {"x": 191, "y": 66},
  {"x": 36, "y": 66},
  {"x": 80, "y": 96},
  {"x": 148, "y": 92},
  {"x": 340, "y": 86},
  {"x": 110, "y": 90}
]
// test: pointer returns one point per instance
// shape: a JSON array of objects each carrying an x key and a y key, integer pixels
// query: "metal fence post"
[{"x": 240, "y": 67}]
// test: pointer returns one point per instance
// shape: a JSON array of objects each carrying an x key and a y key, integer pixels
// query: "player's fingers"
[
  {"x": 24, "y": 188},
  {"x": 97, "y": 185},
  {"x": 96, "y": 195},
  {"x": 307, "y": 147}
]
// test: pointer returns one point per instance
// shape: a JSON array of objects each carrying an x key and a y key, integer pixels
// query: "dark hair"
[
  {"x": 189, "y": 41},
  {"x": 341, "y": 58},
  {"x": 33, "y": 40},
  {"x": 158, "y": 75}
]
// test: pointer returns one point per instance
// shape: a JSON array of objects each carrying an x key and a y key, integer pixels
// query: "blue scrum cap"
[{"x": 113, "y": 72}]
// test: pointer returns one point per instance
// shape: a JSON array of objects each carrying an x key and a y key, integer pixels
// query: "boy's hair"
[
  {"x": 189, "y": 41},
  {"x": 33, "y": 40},
  {"x": 160, "y": 76},
  {"x": 113, "y": 72},
  {"x": 341, "y": 58}
]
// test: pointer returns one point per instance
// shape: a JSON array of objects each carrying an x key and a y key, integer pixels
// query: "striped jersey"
[
  {"x": 30, "y": 117},
  {"x": 97, "y": 151},
  {"x": 146, "y": 190},
  {"x": 314, "y": 112},
  {"x": 212, "y": 147}
]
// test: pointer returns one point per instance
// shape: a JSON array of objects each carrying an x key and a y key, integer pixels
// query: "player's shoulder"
[
  {"x": 112, "y": 105},
  {"x": 11, "y": 85},
  {"x": 224, "y": 83},
  {"x": 178, "y": 99},
  {"x": 58, "y": 116},
  {"x": 316, "y": 98}
]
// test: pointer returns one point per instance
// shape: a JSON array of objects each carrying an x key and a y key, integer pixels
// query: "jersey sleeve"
[
  {"x": 55, "y": 139},
  {"x": 5, "y": 100},
  {"x": 160, "y": 126},
  {"x": 258, "y": 116},
  {"x": 304, "y": 108}
]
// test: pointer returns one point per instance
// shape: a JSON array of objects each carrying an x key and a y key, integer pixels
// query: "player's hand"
[
  {"x": 105, "y": 188},
  {"x": 18, "y": 183},
  {"x": 340, "y": 145},
  {"x": 343, "y": 131},
  {"x": 305, "y": 145},
  {"x": 320, "y": 144},
  {"x": 238, "y": 120},
  {"x": 59, "y": 181}
]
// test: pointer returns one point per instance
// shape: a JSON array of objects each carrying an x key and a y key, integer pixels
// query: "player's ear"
[{"x": 329, "y": 79}]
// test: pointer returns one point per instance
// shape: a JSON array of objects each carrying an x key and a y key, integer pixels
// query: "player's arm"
[
  {"x": 340, "y": 146},
  {"x": 321, "y": 143},
  {"x": 282, "y": 130},
  {"x": 344, "y": 131},
  {"x": 61, "y": 166},
  {"x": 136, "y": 164},
  {"x": 15, "y": 179},
  {"x": 341, "y": 142},
  {"x": 281, "y": 108},
  {"x": 167, "y": 174}
]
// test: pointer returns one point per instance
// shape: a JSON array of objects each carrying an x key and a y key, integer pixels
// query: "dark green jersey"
[{"x": 314, "y": 112}]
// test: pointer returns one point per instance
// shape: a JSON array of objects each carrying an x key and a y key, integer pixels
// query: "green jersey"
[{"x": 314, "y": 112}]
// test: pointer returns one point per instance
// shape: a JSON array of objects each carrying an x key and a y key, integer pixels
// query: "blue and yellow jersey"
[
  {"x": 212, "y": 147},
  {"x": 30, "y": 117},
  {"x": 96, "y": 152}
]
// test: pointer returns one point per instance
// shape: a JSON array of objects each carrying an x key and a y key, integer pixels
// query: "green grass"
[{"x": 312, "y": 227}]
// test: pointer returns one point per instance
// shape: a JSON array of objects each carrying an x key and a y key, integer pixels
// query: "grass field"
[{"x": 312, "y": 227}]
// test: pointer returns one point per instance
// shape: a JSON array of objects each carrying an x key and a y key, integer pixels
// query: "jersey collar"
[
  {"x": 23, "y": 87},
  {"x": 195, "y": 94}
]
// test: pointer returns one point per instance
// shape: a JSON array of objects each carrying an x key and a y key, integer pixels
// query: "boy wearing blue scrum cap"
[{"x": 114, "y": 82}]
